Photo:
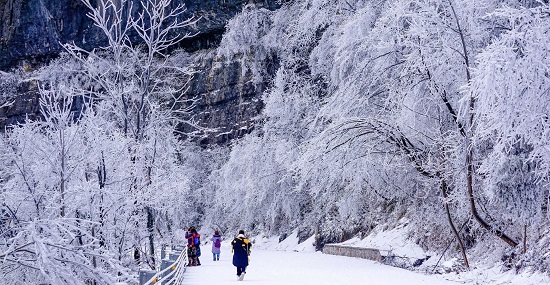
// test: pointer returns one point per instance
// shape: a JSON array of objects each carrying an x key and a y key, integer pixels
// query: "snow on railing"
[{"x": 171, "y": 271}]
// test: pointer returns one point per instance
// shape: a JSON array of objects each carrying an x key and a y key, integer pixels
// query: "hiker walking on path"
[
  {"x": 193, "y": 246},
  {"x": 241, "y": 250},
  {"x": 216, "y": 245}
]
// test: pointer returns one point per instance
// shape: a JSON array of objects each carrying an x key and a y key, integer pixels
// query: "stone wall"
[{"x": 366, "y": 253}]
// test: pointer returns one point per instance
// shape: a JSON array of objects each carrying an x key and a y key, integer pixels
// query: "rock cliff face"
[
  {"x": 32, "y": 31},
  {"x": 229, "y": 96}
]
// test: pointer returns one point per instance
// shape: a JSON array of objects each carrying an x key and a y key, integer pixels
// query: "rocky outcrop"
[
  {"x": 31, "y": 31},
  {"x": 229, "y": 95},
  {"x": 18, "y": 100}
]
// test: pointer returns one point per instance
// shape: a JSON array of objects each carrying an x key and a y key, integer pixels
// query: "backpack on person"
[
  {"x": 217, "y": 243},
  {"x": 196, "y": 240}
]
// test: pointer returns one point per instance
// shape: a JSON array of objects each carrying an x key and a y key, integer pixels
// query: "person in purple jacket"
[{"x": 216, "y": 245}]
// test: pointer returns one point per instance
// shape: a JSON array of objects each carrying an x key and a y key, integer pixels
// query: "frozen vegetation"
[
  {"x": 287, "y": 262},
  {"x": 429, "y": 113}
]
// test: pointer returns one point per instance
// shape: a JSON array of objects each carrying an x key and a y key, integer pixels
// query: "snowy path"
[{"x": 284, "y": 267}]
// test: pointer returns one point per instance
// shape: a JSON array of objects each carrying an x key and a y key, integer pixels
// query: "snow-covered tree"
[
  {"x": 376, "y": 108},
  {"x": 510, "y": 87},
  {"x": 135, "y": 84},
  {"x": 98, "y": 180}
]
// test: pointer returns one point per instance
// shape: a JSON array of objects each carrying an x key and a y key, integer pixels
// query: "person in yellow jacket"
[{"x": 241, "y": 250}]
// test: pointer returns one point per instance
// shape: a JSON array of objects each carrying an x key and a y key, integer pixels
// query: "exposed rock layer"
[
  {"x": 229, "y": 96},
  {"x": 32, "y": 31}
]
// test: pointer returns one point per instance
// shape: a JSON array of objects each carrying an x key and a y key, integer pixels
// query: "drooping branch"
[{"x": 360, "y": 127}]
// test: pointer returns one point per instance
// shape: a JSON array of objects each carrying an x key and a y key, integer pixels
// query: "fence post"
[
  {"x": 172, "y": 267},
  {"x": 165, "y": 263},
  {"x": 174, "y": 255},
  {"x": 145, "y": 275}
]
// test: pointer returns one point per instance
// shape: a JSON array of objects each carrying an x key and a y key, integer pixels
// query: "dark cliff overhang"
[{"x": 32, "y": 31}]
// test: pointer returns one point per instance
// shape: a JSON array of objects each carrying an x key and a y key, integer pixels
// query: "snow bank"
[
  {"x": 390, "y": 242},
  {"x": 394, "y": 241},
  {"x": 288, "y": 244}
]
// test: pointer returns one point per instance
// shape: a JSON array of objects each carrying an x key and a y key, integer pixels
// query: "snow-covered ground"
[
  {"x": 288, "y": 262},
  {"x": 288, "y": 267}
]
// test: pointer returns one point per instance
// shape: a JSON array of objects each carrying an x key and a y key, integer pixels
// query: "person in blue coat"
[{"x": 241, "y": 250}]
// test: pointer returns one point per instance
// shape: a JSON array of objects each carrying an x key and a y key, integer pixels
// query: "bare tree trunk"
[
  {"x": 101, "y": 178},
  {"x": 94, "y": 261},
  {"x": 62, "y": 174},
  {"x": 469, "y": 153},
  {"x": 451, "y": 223},
  {"x": 524, "y": 239},
  {"x": 137, "y": 255},
  {"x": 150, "y": 229},
  {"x": 473, "y": 208}
]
